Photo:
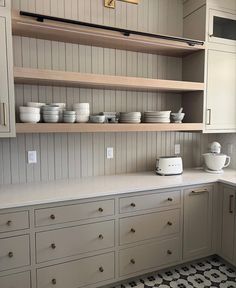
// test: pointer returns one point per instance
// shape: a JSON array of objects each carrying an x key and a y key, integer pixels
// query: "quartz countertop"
[{"x": 20, "y": 195}]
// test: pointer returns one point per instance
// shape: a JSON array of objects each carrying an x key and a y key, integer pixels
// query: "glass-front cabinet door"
[{"x": 222, "y": 27}]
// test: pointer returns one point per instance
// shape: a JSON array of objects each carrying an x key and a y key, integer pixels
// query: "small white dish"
[
  {"x": 97, "y": 118},
  {"x": 29, "y": 117},
  {"x": 35, "y": 104},
  {"x": 82, "y": 118},
  {"x": 26, "y": 109}
]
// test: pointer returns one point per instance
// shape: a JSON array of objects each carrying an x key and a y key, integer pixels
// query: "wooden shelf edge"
[
  {"x": 58, "y": 31},
  {"x": 75, "y": 79},
  {"x": 94, "y": 128}
]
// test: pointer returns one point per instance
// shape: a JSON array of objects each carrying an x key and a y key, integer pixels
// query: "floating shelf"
[
  {"x": 90, "y": 127},
  {"x": 74, "y": 79},
  {"x": 69, "y": 32}
]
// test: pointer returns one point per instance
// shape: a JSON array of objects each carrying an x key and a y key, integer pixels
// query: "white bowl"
[
  {"x": 97, "y": 118},
  {"x": 69, "y": 119},
  {"x": 51, "y": 112},
  {"x": 25, "y": 109},
  {"x": 61, "y": 105},
  {"x": 69, "y": 113},
  {"x": 51, "y": 108},
  {"x": 82, "y": 118},
  {"x": 29, "y": 117},
  {"x": 216, "y": 162},
  {"x": 35, "y": 104},
  {"x": 81, "y": 105},
  {"x": 51, "y": 118}
]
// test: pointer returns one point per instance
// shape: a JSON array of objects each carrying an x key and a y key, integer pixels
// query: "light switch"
[
  {"x": 110, "y": 153},
  {"x": 32, "y": 157}
]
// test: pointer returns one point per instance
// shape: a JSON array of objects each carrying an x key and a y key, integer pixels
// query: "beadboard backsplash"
[{"x": 80, "y": 155}]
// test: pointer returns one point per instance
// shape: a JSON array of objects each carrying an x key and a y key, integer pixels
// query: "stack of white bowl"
[
  {"x": 51, "y": 113},
  {"x": 62, "y": 108},
  {"x": 69, "y": 116},
  {"x": 37, "y": 105},
  {"x": 29, "y": 114},
  {"x": 82, "y": 112},
  {"x": 157, "y": 117},
  {"x": 130, "y": 117}
]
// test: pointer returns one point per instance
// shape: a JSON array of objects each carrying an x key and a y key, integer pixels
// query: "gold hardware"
[
  {"x": 53, "y": 217},
  {"x": 131, "y": 1},
  {"x": 100, "y": 236},
  {"x": 208, "y": 117},
  {"x": 9, "y": 222},
  {"x": 132, "y": 230},
  {"x": 169, "y": 223},
  {"x": 110, "y": 4},
  {"x": 100, "y": 209},
  {"x": 169, "y": 252},
  {"x": 199, "y": 191},
  {"x": 54, "y": 281},
  {"x": 10, "y": 254},
  {"x": 53, "y": 246},
  {"x": 170, "y": 199},
  {"x": 132, "y": 261},
  {"x": 133, "y": 205},
  {"x": 101, "y": 269}
]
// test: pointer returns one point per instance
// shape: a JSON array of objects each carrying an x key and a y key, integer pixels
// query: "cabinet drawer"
[
  {"x": 2, "y": 3},
  {"x": 14, "y": 221},
  {"x": 149, "y": 226},
  {"x": 144, "y": 257},
  {"x": 75, "y": 212},
  {"x": 74, "y": 240},
  {"x": 77, "y": 273},
  {"x": 149, "y": 201},
  {"x": 14, "y": 252},
  {"x": 20, "y": 280}
]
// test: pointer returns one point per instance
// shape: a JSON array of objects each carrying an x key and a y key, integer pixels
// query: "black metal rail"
[{"x": 125, "y": 32}]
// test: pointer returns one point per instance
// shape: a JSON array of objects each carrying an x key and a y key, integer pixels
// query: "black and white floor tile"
[{"x": 201, "y": 274}]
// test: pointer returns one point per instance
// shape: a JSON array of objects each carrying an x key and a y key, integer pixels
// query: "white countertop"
[{"x": 18, "y": 195}]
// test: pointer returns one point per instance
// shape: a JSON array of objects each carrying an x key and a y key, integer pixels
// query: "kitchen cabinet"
[
  {"x": 7, "y": 108},
  {"x": 221, "y": 90},
  {"x": 197, "y": 240},
  {"x": 228, "y": 223},
  {"x": 2, "y": 2}
]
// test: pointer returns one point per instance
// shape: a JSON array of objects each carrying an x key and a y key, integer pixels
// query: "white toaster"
[{"x": 170, "y": 165}]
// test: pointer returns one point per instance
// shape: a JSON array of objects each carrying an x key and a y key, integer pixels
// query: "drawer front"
[
  {"x": 144, "y": 257},
  {"x": 77, "y": 273},
  {"x": 20, "y": 280},
  {"x": 149, "y": 226},
  {"x": 14, "y": 252},
  {"x": 2, "y": 3},
  {"x": 150, "y": 201},
  {"x": 75, "y": 212},
  {"x": 74, "y": 240},
  {"x": 14, "y": 221}
]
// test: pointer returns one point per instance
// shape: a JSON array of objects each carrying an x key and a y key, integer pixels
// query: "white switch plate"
[
  {"x": 110, "y": 153},
  {"x": 177, "y": 149},
  {"x": 32, "y": 157},
  {"x": 230, "y": 149}
]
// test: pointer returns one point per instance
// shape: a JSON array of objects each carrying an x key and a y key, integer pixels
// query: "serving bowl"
[{"x": 29, "y": 117}]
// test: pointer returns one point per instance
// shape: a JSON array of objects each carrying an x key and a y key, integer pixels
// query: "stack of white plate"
[
  {"x": 156, "y": 117},
  {"x": 82, "y": 112},
  {"x": 69, "y": 116},
  {"x": 130, "y": 117},
  {"x": 29, "y": 114},
  {"x": 51, "y": 113}
]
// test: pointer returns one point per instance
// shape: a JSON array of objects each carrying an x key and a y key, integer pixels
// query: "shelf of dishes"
[{"x": 56, "y": 113}]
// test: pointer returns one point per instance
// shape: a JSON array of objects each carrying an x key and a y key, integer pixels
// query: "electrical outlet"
[
  {"x": 177, "y": 149},
  {"x": 110, "y": 153},
  {"x": 32, "y": 157}
]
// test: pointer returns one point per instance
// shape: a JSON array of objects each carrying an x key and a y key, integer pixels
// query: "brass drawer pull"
[
  {"x": 10, "y": 254},
  {"x": 53, "y": 217},
  {"x": 101, "y": 269},
  {"x": 4, "y": 109},
  {"x": 133, "y": 205},
  {"x": 53, "y": 246},
  {"x": 100, "y": 236},
  {"x": 9, "y": 222},
  {"x": 199, "y": 191},
  {"x": 132, "y": 230},
  {"x": 54, "y": 281},
  {"x": 169, "y": 223},
  {"x": 170, "y": 199},
  {"x": 169, "y": 252},
  {"x": 231, "y": 198},
  {"x": 132, "y": 261},
  {"x": 100, "y": 209}
]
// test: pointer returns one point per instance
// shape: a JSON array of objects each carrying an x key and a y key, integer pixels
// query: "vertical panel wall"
[{"x": 81, "y": 155}]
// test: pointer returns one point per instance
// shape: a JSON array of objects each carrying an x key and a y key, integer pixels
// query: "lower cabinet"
[
  {"x": 197, "y": 222},
  {"x": 78, "y": 273},
  {"x": 19, "y": 280},
  {"x": 228, "y": 224}
]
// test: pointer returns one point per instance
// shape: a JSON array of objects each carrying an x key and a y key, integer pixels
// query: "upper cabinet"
[
  {"x": 2, "y": 2},
  {"x": 7, "y": 110}
]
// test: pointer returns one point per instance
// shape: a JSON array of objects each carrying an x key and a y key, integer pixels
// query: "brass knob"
[
  {"x": 53, "y": 246},
  {"x": 100, "y": 236},
  {"x": 169, "y": 252},
  {"x": 170, "y": 199},
  {"x": 10, "y": 254},
  {"x": 132, "y": 261},
  {"x": 132, "y": 230},
  {"x": 133, "y": 205},
  {"x": 53, "y": 217},
  {"x": 54, "y": 281},
  {"x": 169, "y": 223},
  {"x": 100, "y": 209},
  {"x": 101, "y": 269},
  {"x": 9, "y": 222}
]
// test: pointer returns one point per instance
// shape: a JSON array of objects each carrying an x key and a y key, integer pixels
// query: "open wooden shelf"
[
  {"x": 90, "y": 127},
  {"x": 59, "y": 31},
  {"x": 75, "y": 79}
]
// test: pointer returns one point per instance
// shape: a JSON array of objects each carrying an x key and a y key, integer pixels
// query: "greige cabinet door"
[
  {"x": 221, "y": 91},
  {"x": 227, "y": 240},
  {"x": 19, "y": 280},
  {"x": 7, "y": 109},
  {"x": 197, "y": 222}
]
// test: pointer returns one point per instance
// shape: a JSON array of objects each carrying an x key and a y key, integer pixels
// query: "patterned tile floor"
[{"x": 211, "y": 272}]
